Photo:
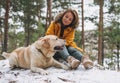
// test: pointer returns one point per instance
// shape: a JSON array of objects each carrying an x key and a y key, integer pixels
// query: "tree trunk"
[
  {"x": 27, "y": 23},
  {"x": 118, "y": 46},
  {"x": 0, "y": 38},
  {"x": 6, "y": 28},
  {"x": 100, "y": 39},
  {"x": 48, "y": 15},
  {"x": 27, "y": 33},
  {"x": 83, "y": 25}
]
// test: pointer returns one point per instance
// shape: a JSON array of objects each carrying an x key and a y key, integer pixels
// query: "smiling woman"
[{"x": 64, "y": 26}]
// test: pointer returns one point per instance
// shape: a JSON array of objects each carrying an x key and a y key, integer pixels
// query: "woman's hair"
[{"x": 75, "y": 21}]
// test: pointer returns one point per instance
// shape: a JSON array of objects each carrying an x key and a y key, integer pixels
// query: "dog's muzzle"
[{"x": 59, "y": 47}]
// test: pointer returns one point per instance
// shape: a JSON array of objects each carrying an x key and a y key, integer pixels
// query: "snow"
[{"x": 80, "y": 75}]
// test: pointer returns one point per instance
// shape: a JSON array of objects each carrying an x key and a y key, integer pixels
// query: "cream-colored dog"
[{"x": 37, "y": 56}]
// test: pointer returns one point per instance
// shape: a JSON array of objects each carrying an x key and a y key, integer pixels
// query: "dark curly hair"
[{"x": 75, "y": 21}]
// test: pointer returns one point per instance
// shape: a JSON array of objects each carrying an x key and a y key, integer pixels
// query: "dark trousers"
[{"x": 68, "y": 51}]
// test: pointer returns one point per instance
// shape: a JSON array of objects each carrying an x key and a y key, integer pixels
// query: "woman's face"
[{"x": 67, "y": 18}]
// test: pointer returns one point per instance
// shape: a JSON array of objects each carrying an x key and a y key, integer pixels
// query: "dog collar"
[{"x": 41, "y": 52}]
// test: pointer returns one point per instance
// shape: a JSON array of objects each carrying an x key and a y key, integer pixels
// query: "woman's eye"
[{"x": 66, "y": 16}]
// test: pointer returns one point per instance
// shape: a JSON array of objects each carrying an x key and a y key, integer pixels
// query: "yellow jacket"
[{"x": 68, "y": 35}]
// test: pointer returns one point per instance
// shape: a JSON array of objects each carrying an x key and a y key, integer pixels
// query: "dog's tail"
[{"x": 5, "y": 54}]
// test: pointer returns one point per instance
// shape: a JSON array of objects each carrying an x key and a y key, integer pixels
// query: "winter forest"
[{"x": 24, "y": 21}]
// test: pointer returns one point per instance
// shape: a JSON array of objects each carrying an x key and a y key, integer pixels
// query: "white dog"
[{"x": 37, "y": 56}]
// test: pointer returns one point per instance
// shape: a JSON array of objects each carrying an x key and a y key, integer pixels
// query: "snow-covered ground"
[{"x": 57, "y": 75}]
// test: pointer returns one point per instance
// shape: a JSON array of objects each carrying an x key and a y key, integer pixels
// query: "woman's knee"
[
  {"x": 75, "y": 53},
  {"x": 72, "y": 50}
]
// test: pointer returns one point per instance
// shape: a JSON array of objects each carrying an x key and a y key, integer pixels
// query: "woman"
[{"x": 64, "y": 27}]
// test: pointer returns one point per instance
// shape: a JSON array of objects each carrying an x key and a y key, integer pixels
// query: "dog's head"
[{"x": 50, "y": 42}]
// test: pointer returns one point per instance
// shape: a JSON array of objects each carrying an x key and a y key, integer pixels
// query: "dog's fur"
[{"x": 37, "y": 56}]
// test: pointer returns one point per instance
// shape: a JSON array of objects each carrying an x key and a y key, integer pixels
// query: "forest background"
[{"x": 23, "y": 21}]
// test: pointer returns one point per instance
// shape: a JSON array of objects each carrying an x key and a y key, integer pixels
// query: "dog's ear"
[{"x": 45, "y": 43}]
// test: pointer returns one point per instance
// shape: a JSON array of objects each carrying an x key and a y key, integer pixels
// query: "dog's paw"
[
  {"x": 66, "y": 67},
  {"x": 44, "y": 73},
  {"x": 39, "y": 70}
]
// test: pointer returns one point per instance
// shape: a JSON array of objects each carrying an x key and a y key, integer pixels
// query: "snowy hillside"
[{"x": 57, "y": 75}]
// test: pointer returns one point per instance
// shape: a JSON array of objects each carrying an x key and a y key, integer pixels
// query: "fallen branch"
[{"x": 66, "y": 80}]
